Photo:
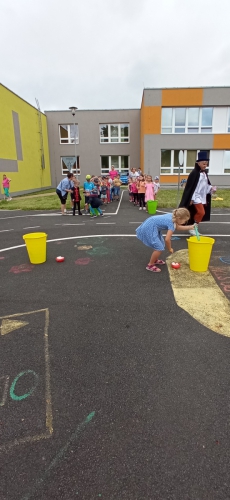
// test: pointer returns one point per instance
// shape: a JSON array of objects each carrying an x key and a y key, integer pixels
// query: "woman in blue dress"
[{"x": 150, "y": 233}]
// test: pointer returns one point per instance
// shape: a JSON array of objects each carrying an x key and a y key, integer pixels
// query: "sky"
[{"x": 96, "y": 54}]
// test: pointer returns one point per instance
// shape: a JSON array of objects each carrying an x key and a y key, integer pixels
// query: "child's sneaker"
[
  {"x": 140, "y": 208},
  {"x": 101, "y": 215},
  {"x": 144, "y": 208}
]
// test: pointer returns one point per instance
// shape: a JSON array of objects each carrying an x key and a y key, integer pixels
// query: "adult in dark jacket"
[{"x": 197, "y": 192}]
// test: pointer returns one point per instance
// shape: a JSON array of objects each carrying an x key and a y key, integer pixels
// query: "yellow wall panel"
[
  {"x": 30, "y": 175},
  {"x": 221, "y": 141},
  {"x": 182, "y": 97}
]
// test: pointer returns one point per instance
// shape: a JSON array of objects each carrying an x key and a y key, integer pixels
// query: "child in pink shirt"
[
  {"x": 134, "y": 191},
  {"x": 6, "y": 187}
]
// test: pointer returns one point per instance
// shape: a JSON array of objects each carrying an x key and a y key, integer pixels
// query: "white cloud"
[{"x": 100, "y": 54}]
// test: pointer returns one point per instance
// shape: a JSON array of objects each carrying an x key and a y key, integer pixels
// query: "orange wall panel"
[
  {"x": 182, "y": 97},
  {"x": 171, "y": 179},
  {"x": 142, "y": 160},
  {"x": 221, "y": 141},
  {"x": 151, "y": 120}
]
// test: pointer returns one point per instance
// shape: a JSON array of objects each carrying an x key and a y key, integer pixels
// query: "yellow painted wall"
[
  {"x": 30, "y": 175},
  {"x": 182, "y": 97}
]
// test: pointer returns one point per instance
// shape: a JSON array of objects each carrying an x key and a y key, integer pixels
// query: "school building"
[
  {"x": 169, "y": 120},
  {"x": 38, "y": 149},
  {"x": 188, "y": 119},
  {"x": 24, "y": 150}
]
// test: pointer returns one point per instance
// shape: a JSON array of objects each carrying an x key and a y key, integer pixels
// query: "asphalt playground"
[{"x": 114, "y": 381}]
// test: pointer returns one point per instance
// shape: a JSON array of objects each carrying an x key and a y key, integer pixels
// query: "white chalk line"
[{"x": 110, "y": 236}]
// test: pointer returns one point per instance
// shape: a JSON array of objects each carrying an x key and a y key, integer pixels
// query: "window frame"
[
  {"x": 226, "y": 173},
  {"x": 121, "y": 172},
  {"x": 70, "y": 140},
  {"x": 228, "y": 123},
  {"x": 118, "y": 137},
  {"x": 184, "y": 170}
]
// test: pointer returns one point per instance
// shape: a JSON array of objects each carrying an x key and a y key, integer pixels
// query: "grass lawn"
[{"x": 167, "y": 198}]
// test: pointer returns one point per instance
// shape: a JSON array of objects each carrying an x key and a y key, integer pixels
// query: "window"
[
  {"x": 191, "y": 159},
  {"x": 180, "y": 120},
  {"x": 187, "y": 120},
  {"x": 170, "y": 161},
  {"x": 167, "y": 120},
  {"x": 166, "y": 161},
  {"x": 206, "y": 121},
  {"x": 227, "y": 162},
  {"x": 69, "y": 134},
  {"x": 114, "y": 133},
  {"x": 68, "y": 164},
  {"x": 229, "y": 120},
  {"x": 121, "y": 164},
  {"x": 193, "y": 120}
]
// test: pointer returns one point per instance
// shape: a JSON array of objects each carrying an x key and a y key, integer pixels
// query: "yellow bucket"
[
  {"x": 199, "y": 253},
  {"x": 36, "y": 247}
]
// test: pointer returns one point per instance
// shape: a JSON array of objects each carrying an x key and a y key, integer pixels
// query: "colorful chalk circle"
[
  {"x": 83, "y": 261},
  {"x": 84, "y": 247},
  {"x": 14, "y": 396},
  {"x": 225, "y": 260}
]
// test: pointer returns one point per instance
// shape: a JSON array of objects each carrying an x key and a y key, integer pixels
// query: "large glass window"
[
  {"x": 227, "y": 162},
  {"x": 70, "y": 164},
  {"x": 170, "y": 161},
  {"x": 114, "y": 132},
  {"x": 186, "y": 120},
  {"x": 69, "y": 134},
  {"x": 121, "y": 164}
]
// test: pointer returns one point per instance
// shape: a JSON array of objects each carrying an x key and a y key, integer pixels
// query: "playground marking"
[
  {"x": 6, "y": 230},
  {"x": 59, "y": 456},
  {"x": 107, "y": 236},
  {"x": 31, "y": 227},
  {"x": 13, "y": 322},
  {"x": 199, "y": 295}
]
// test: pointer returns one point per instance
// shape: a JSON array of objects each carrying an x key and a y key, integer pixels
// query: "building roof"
[{"x": 1, "y": 84}]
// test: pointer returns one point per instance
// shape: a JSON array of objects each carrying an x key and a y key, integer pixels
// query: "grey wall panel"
[
  {"x": 152, "y": 154},
  {"x": 8, "y": 165},
  {"x": 186, "y": 141},
  {"x": 152, "y": 97},
  {"x": 89, "y": 148},
  {"x": 220, "y": 180},
  {"x": 17, "y": 135},
  {"x": 219, "y": 96}
]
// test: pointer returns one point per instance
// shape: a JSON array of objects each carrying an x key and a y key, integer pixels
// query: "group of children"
[{"x": 143, "y": 189}]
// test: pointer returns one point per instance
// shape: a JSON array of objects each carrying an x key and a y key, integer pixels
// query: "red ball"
[
  {"x": 60, "y": 259},
  {"x": 175, "y": 265}
]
